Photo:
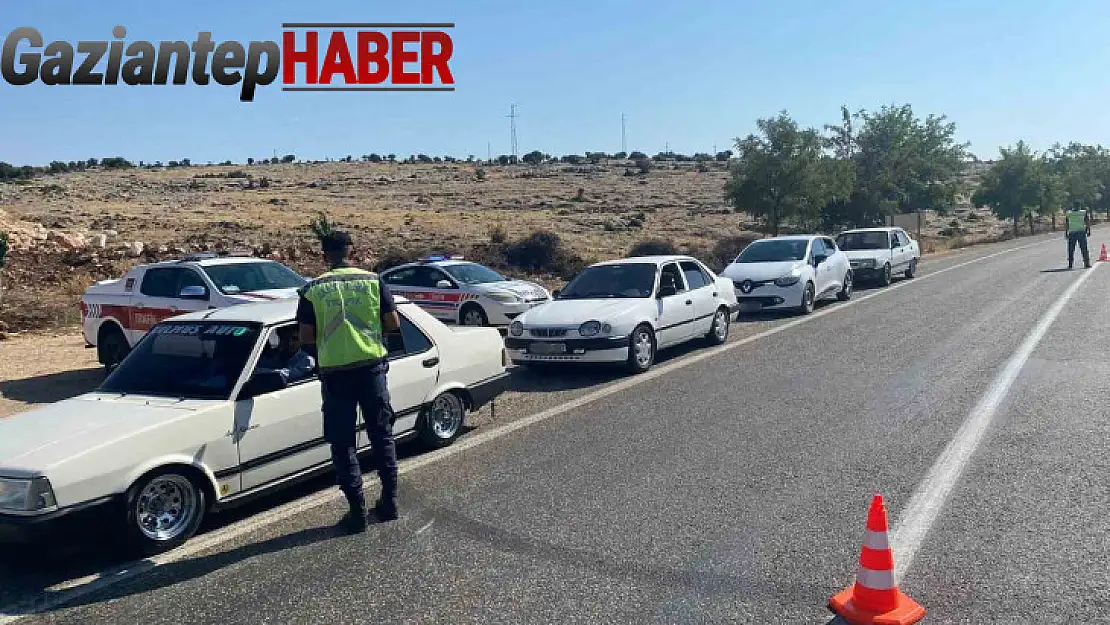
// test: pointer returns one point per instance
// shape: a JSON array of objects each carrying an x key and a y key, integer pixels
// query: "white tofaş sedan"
[
  {"x": 200, "y": 416},
  {"x": 623, "y": 311}
]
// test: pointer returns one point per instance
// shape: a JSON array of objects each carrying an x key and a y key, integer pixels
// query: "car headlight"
[
  {"x": 504, "y": 296},
  {"x": 589, "y": 328},
  {"x": 23, "y": 495},
  {"x": 516, "y": 328},
  {"x": 787, "y": 280},
  {"x": 866, "y": 262}
]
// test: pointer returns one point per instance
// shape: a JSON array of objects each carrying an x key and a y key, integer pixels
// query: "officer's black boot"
[
  {"x": 355, "y": 519},
  {"x": 384, "y": 510}
]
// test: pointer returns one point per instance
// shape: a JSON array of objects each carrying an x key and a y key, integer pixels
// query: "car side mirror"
[
  {"x": 194, "y": 292},
  {"x": 262, "y": 382},
  {"x": 444, "y": 284},
  {"x": 819, "y": 258},
  {"x": 894, "y": 245},
  {"x": 556, "y": 292},
  {"x": 667, "y": 290}
]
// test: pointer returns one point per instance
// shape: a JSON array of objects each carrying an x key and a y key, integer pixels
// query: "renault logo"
[{"x": 746, "y": 286}]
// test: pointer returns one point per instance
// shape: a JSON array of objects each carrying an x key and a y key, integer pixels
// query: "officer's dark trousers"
[
  {"x": 1081, "y": 239},
  {"x": 365, "y": 388}
]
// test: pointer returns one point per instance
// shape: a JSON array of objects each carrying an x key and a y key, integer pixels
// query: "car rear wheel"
[
  {"x": 641, "y": 349},
  {"x": 884, "y": 278},
  {"x": 473, "y": 315},
  {"x": 164, "y": 509},
  {"x": 845, "y": 293},
  {"x": 912, "y": 269},
  {"x": 111, "y": 347},
  {"x": 809, "y": 296},
  {"x": 442, "y": 420},
  {"x": 718, "y": 332}
]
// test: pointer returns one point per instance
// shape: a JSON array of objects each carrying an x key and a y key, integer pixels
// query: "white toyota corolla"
[
  {"x": 624, "y": 311},
  {"x": 203, "y": 415},
  {"x": 790, "y": 272}
]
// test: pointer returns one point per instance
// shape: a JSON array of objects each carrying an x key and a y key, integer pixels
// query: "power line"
[{"x": 624, "y": 137}]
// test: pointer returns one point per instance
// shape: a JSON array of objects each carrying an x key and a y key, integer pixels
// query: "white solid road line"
[
  {"x": 12, "y": 613},
  {"x": 927, "y": 501}
]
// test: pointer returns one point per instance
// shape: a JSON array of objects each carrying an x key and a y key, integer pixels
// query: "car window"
[
  {"x": 773, "y": 251},
  {"x": 279, "y": 348},
  {"x": 235, "y": 278},
  {"x": 903, "y": 240},
  {"x": 818, "y": 248},
  {"x": 160, "y": 282},
  {"x": 867, "y": 240},
  {"x": 188, "y": 277},
  {"x": 695, "y": 276},
  {"x": 436, "y": 275},
  {"x": 401, "y": 277},
  {"x": 670, "y": 271},
  {"x": 830, "y": 246},
  {"x": 426, "y": 277},
  {"x": 409, "y": 341},
  {"x": 624, "y": 280}
]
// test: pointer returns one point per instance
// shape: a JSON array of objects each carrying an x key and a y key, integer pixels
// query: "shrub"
[
  {"x": 497, "y": 236},
  {"x": 543, "y": 251},
  {"x": 3, "y": 247},
  {"x": 644, "y": 165},
  {"x": 391, "y": 258},
  {"x": 480, "y": 174},
  {"x": 580, "y": 196},
  {"x": 726, "y": 248},
  {"x": 320, "y": 226},
  {"x": 653, "y": 247}
]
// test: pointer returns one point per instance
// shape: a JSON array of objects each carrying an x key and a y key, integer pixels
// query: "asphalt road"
[{"x": 729, "y": 485}]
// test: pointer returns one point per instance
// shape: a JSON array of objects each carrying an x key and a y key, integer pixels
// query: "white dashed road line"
[
  {"x": 927, "y": 501},
  {"x": 62, "y": 595}
]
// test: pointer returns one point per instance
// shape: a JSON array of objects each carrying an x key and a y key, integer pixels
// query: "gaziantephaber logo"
[{"x": 332, "y": 57}]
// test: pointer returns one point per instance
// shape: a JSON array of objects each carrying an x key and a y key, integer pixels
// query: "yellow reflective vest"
[{"x": 347, "y": 302}]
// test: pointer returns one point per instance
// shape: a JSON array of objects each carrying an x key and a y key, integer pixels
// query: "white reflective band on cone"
[
  {"x": 875, "y": 580},
  {"x": 876, "y": 540}
]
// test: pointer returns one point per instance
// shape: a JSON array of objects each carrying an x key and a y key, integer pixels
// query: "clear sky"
[{"x": 692, "y": 74}]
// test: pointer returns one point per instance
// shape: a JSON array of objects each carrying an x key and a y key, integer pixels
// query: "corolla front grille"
[{"x": 548, "y": 332}]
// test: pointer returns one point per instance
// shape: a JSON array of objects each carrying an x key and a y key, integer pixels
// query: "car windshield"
[
  {"x": 850, "y": 241},
  {"x": 248, "y": 277},
  {"x": 186, "y": 360},
  {"x": 605, "y": 281},
  {"x": 774, "y": 251},
  {"x": 473, "y": 273}
]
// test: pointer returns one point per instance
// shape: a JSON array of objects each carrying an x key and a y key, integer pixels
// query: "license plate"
[
  {"x": 547, "y": 348},
  {"x": 750, "y": 306}
]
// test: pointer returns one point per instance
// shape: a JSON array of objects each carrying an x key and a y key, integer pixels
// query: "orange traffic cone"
[
  {"x": 875, "y": 598},
  {"x": 1102, "y": 255}
]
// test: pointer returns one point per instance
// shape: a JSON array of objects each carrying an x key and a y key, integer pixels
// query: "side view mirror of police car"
[
  {"x": 444, "y": 284},
  {"x": 194, "y": 292}
]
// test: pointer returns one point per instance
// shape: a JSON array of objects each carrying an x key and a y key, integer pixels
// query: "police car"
[{"x": 467, "y": 293}]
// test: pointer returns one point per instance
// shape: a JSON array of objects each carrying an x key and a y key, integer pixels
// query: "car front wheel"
[
  {"x": 443, "y": 420},
  {"x": 912, "y": 269},
  {"x": 809, "y": 296},
  {"x": 845, "y": 293},
  {"x": 164, "y": 509},
  {"x": 473, "y": 315},
  {"x": 641, "y": 349},
  {"x": 111, "y": 347},
  {"x": 884, "y": 278}
]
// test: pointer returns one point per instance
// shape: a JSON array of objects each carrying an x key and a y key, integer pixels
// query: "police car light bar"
[{"x": 437, "y": 258}]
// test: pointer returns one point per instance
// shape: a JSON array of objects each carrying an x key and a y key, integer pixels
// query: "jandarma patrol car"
[{"x": 455, "y": 290}]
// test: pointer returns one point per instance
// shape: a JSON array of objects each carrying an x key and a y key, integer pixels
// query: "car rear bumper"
[
  {"x": 487, "y": 390},
  {"x": 608, "y": 349}
]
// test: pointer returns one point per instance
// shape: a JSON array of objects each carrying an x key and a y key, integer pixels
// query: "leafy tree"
[
  {"x": 782, "y": 174},
  {"x": 288, "y": 158},
  {"x": 92, "y": 162},
  {"x": 535, "y": 157},
  {"x": 1015, "y": 186},
  {"x": 724, "y": 155},
  {"x": 572, "y": 159},
  {"x": 635, "y": 156},
  {"x": 392, "y": 158},
  {"x": 620, "y": 156},
  {"x": 375, "y": 158},
  {"x": 250, "y": 161},
  {"x": 57, "y": 167}
]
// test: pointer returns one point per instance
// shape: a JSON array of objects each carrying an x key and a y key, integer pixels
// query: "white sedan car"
[
  {"x": 790, "y": 272},
  {"x": 624, "y": 311},
  {"x": 880, "y": 253},
  {"x": 200, "y": 416},
  {"x": 456, "y": 291}
]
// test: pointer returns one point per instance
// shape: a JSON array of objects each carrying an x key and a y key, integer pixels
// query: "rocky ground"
[{"x": 68, "y": 230}]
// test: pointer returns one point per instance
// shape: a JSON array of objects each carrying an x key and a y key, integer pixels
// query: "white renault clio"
[
  {"x": 790, "y": 273},
  {"x": 623, "y": 311}
]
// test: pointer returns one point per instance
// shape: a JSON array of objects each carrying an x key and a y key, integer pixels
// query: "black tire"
[
  {"x": 809, "y": 299},
  {"x": 442, "y": 421},
  {"x": 911, "y": 271},
  {"x": 884, "y": 278},
  {"x": 718, "y": 331},
  {"x": 645, "y": 338},
  {"x": 845, "y": 293},
  {"x": 473, "y": 313},
  {"x": 182, "y": 500},
  {"x": 111, "y": 347}
]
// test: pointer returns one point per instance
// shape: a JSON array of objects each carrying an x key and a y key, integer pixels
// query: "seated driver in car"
[{"x": 285, "y": 355}]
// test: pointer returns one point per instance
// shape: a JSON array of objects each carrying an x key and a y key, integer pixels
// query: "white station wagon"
[
  {"x": 624, "y": 311},
  {"x": 199, "y": 417}
]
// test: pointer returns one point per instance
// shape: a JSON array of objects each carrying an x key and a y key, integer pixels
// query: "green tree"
[
  {"x": 1015, "y": 186},
  {"x": 782, "y": 174},
  {"x": 535, "y": 157}
]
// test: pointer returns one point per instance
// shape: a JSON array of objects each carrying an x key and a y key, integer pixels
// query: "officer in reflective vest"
[
  {"x": 346, "y": 312},
  {"x": 1079, "y": 228}
]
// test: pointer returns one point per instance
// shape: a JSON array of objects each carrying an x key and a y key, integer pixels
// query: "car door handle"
[
  {"x": 431, "y": 362},
  {"x": 714, "y": 294}
]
